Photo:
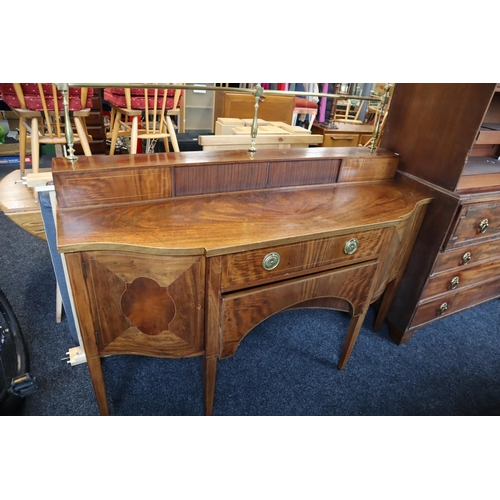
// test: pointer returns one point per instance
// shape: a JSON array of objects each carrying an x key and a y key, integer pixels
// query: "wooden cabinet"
[
  {"x": 345, "y": 135},
  {"x": 448, "y": 137},
  {"x": 95, "y": 127},
  {"x": 182, "y": 254}
]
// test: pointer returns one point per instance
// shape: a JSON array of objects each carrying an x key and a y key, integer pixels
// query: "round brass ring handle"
[
  {"x": 483, "y": 225},
  {"x": 443, "y": 308},
  {"x": 466, "y": 257},
  {"x": 454, "y": 282},
  {"x": 351, "y": 246},
  {"x": 271, "y": 261}
]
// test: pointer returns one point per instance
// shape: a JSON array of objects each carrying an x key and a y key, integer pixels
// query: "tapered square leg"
[
  {"x": 209, "y": 375},
  {"x": 352, "y": 335}
]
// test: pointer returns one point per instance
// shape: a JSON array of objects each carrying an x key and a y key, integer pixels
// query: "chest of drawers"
[
  {"x": 467, "y": 269},
  {"x": 448, "y": 138}
]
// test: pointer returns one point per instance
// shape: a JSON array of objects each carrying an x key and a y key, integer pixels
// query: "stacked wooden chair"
[
  {"x": 41, "y": 116},
  {"x": 304, "y": 106},
  {"x": 143, "y": 113}
]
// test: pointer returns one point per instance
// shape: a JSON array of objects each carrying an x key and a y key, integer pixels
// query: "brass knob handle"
[
  {"x": 443, "y": 308},
  {"x": 466, "y": 257},
  {"x": 351, "y": 246},
  {"x": 271, "y": 261},
  {"x": 454, "y": 282},
  {"x": 483, "y": 225}
]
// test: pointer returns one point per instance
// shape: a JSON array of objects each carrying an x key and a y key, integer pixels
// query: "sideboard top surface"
[{"x": 231, "y": 222}]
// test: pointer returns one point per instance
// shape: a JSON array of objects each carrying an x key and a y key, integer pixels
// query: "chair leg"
[
  {"x": 114, "y": 135},
  {"x": 82, "y": 134},
  {"x": 22, "y": 147},
  {"x": 311, "y": 121},
  {"x": 35, "y": 146},
  {"x": 134, "y": 135},
  {"x": 173, "y": 136}
]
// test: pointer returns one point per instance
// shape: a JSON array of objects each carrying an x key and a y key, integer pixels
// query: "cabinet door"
[{"x": 146, "y": 304}]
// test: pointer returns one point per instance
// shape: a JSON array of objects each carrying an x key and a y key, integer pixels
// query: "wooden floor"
[{"x": 19, "y": 204}]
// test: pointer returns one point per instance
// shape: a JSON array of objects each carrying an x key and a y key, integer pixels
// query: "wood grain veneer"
[
  {"x": 164, "y": 252},
  {"x": 98, "y": 180}
]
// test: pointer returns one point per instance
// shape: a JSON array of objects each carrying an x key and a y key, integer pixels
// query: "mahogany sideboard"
[{"x": 182, "y": 254}]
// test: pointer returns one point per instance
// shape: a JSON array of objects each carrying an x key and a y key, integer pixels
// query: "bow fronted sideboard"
[{"x": 182, "y": 254}]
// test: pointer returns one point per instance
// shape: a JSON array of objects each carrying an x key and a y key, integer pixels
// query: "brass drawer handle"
[
  {"x": 454, "y": 282},
  {"x": 483, "y": 225},
  {"x": 443, "y": 308},
  {"x": 351, "y": 246},
  {"x": 466, "y": 257},
  {"x": 271, "y": 261}
]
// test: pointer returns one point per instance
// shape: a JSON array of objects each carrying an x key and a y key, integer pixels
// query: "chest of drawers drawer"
[
  {"x": 456, "y": 301},
  {"x": 462, "y": 276},
  {"x": 476, "y": 222},
  {"x": 467, "y": 255},
  {"x": 251, "y": 268}
]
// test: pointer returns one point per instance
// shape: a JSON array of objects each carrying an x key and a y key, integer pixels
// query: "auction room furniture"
[
  {"x": 41, "y": 111},
  {"x": 344, "y": 135},
  {"x": 349, "y": 112},
  {"x": 19, "y": 205},
  {"x": 143, "y": 113},
  {"x": 304, "y": 106},
  {"x": 234, "y": 133},
  {"x": 182, "y": 254},
  {"x": 448, "y": 137},
  {"x": 96, "y": 128},
  {"x": 277, "y": 108}
]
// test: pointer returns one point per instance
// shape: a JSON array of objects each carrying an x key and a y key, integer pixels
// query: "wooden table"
[
  {"x": 345, "y": 135},
  {"x": 182, "y": 254},
  {"x": 19, "y": 203}
]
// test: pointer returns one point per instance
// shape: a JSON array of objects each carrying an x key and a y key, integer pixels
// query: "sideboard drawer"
[
  {"x": 246, "y": 269},
  {"x": 458, "y": 278},
  {"x": 456, "y": 301},
  {"x": 476, "y": 222}
]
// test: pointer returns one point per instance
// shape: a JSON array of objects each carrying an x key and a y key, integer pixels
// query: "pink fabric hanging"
[{"x": 322, "y": 105}]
